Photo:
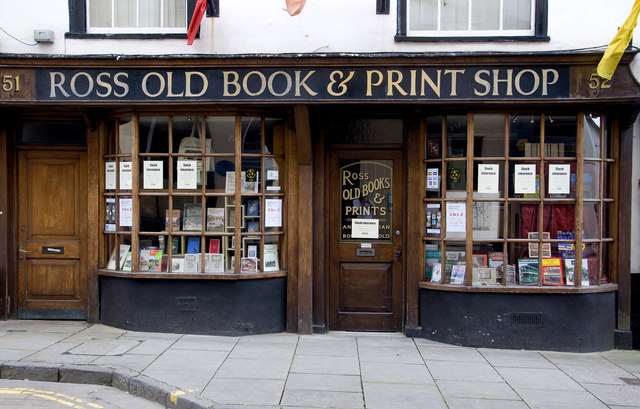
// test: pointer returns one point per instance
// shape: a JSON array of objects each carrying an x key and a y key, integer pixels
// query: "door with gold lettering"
[
  {"x": 52, "y": 225},
  {"x": 366, "y": 238}
]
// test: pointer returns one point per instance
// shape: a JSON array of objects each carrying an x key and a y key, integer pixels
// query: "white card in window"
[
  {"x": 365, "y": 228},
  {"x": 433, "y": 179},
  {"x": 273, "y": 213},
  {"x": 187, "y": 174},
  {"x": 126, "y": 181},
  {"x": 525, "y": 179},
  {"x": 272, "y": 175},
  {"x": 488, "y": 178},
  {"x": 126, "y": 212},
  {"x": 153, "y": 172},
  {"x": 559, "y": 179},
  {"x": 456, "y": 217},
  {"x": 110, "y": 175}
]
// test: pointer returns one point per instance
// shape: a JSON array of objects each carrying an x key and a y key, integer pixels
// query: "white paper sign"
[
  {"x": 126, "y": 181},
  {"x": 433, "y": 179},
  {"x": 364, "y": 228},
  {"x": 272, "y": 175},
  {"x": 153, "y": 172},
  {"x": 525, "y": 179},
  {"x": 456, "y": 217},
  {"x": 187, "y": 174},
  {"x": 126, "y": 212},
  {"x": 110, "y": 175},
  {"x": 559, "y": 179},
  {"x": 488, "y": 178},
  {"x": 273, "y": 213}
]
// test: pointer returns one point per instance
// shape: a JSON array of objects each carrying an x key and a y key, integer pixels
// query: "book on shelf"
[
  {"x": 457, "y": 274},
  {"x": 533, "y": 247},
  {"x": 215, "y": 219},
  {"x": 214, "y": 263},
  {"x": 528, "y": 271},
  {"x": 483, "y": 276},
  {"x": 175, "y": 245},
  {"x": 253, "y": 227},
  {"x": 248, "y": 265},
  {"x": 431, "y": 256},
  {"x": 479, "y": 260},
  {"x": 271, "y": 257},
  {"x": 172, "y": 218},
  {"x": 436, "y": 273},
  {"x": 177, "y": 264},
  {"x": 111, "y": 264},
  {"x": 155, "y": 260},
  {"x": 247, "y": 184},
  {"x": 253, "y": 207},
  {"x": 143, "y": 260},
  {"x": 192, "y": 217},
  {"x": 569, "y": 267},
  {"x": 192, "y": 263},
  {"x": 126, "y": 266},
  {"x": 552, "y": 271},
  {"x": 124, "y": 250},
  {"x": 193, "y": 245},
  {"x": 214, "y": 246}
]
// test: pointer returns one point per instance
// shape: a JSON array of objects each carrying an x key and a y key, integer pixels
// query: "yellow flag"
[{"x": 620, "y": 42}]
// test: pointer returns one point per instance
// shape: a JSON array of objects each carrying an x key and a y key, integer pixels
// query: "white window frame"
[
  {"x": 469, "y": 32},
  {"x": 138, "y": 29}
]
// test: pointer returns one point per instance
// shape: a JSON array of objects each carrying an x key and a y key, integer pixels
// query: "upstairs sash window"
[{"x": 137, "y": 16}]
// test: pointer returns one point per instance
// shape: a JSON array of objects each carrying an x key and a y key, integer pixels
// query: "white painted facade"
[{"x": 324, "y": 26}]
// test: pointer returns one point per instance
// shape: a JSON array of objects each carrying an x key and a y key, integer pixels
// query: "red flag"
[
  {"x": 294, "y": 7},
  {"x": 198, "y": 14}
]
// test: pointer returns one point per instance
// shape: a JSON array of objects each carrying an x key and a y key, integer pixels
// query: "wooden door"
[
  {"x": 366, "y": 240},
  {"x": 52, "y": 197}
]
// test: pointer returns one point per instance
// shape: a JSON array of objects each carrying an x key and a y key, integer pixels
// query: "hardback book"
[
  {"x": 271, "y": 257},
  {"x": 177, "y": 264},
  {"x": 192, "y": 263},
  {"x": 192, "y": 217},
  {"x": 253, "y": 208},
  {"x": 193, "y": 245},
  {"x": 214, "y": 246},
  {"x": 253, "y": 227},
  {"x": 175, "y": 245},
  {"x": 215, "y": 219},
  {"x": 569, "y": 267},
  {"x": 528, "y": 271},
  {"x": 172, "y": 218},
  {"x": 214, "y": 263},
  {"x": 552, "y": 271}
]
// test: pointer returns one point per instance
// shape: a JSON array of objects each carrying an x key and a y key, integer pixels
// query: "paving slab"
[
  {"x": 319, "y": 382},
  {"x": 254, "y": 369},
  {"x": 322, "y": 399},
  {"x": 556, "y": 399},
  {"x": 394, "y": 396},
  {"x": 436, "y": 353},
  {"x": 396, "y": 355},
  {"x": 189, "y": 370},
  {"x": 612, "y": 395},
  {"x": 336, "y": 365},
  {"x": 396, "y": 373},
  {"x": 256, "y": 392},
  {"x": 470, "y": 403},
  {"x": 476, "y": 390},
  {"x": 327, "y": 347},
  {"x": 534, "y": 378},
  {"x": 470, "y": 371}
]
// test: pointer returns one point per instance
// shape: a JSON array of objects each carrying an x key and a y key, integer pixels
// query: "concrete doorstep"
[{"x": 126, "y": 380}]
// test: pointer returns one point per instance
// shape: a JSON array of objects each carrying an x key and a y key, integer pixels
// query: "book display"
[
  {"x": 177, "y": 207},
  {"x": 520, "y": 186}
]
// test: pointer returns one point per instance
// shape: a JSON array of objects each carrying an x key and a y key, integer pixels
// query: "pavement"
[{"x": 334, "y": 370}]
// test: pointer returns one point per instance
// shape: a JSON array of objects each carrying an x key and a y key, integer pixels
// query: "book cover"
[
  {"x": 253, "y": 208},
  {"x": 177, "y": 264},
  {"x": 253, "y": 227},
  {"x": 192, "y": 217},
  {"x": 124, "y": 250},
  {"x": 483, "y": 276},
  {"x": 569, "y": 267},
  {"x": 126, "y": 266},
  {"x": 552, "y": 271},
  {"x": 193, "y": 245},
  {"x": 457, "y": 274},
  {"x": 479, "y": 260},
  {"x": 214, "y": 263},
  {"x": 436, "y": 273},
  {"x": 175, "y": 245},
  {"x": 528, "y": 271},
  {"x": 172, "y": 218},
  {"x": 248, "y": 265},
  {"x": 215, "y": 219},
  {"x": 192, "y": 263},
  {"x": 143, "y": 260},
  {"x": 214, "y": 246},
  {"x": 271, "y": 257},
  {"x": 431, "y": 257},
  {"x": 111, "y": 264},
  {"x": 155, "y": 260}
]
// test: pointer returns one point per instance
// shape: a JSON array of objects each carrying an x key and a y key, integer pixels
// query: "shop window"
[
  {"x": 485, "y": 20},
  {"x": 502, "y": 196},
  {"x": 117, "y": 16},
  {"x": 194, "y": 194}
]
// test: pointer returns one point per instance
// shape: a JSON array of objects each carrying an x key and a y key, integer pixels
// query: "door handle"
[
  {"x": 22, "y": 253},
  {"x": 398, "y": 255}
]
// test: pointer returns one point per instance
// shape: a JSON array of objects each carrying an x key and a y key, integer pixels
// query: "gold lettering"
[
  {"x": 231, "y": 79},
  {"x": 371, "y": 83}
]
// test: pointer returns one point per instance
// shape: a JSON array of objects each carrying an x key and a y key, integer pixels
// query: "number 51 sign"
[{"x": 16, "y": 84}]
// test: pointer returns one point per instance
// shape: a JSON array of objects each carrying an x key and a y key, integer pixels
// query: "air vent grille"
[{"x": 527, "y": 319}]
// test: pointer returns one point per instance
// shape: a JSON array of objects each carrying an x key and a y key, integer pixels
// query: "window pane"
[
  {"x": 454, "y": 271},
  {"x": 591, "y": 220},
  {"x": 174, "y": 13},
  {"x": 517, "y": 15},
  {"x": 149, "y": 13},
  {"x": 434, "y": 137},
  {"x": 153, "y": 134},
  {"x": 125, "y": 13},
  {"x": 591, "y": 188},
  {"x": 455, "y": 15},
  {"x": 485, "y": 15},
  {"x": 153, "y": 213},
  {"x": 487, "y": 220},
  {"x": 561, "y": 130},
  {"x": 424, "y": 15},
  {"x": 221, "y": 130},
  {"x": 100, "y": 13},
  {"x": 489, "y": 134},
  {"x": 433, "y": 262},
  {"x": 592, "y": 127},
  {"x": 457, "y": 136},
  {"x": 524, "y": 140},
  {"x": 251, "y": 132}
]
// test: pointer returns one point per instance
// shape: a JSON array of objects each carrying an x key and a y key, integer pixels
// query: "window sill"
[
  {"x": 137, "y": 36},
  {"x": 406, "y": 38},
  {"x": 519, "y": 289},
  {"x": 191, "y": 276}
]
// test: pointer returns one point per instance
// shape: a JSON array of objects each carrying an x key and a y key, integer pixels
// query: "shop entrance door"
[
  {"x": 366, "y": 240},
  {"x": 52, "y": 196}
]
